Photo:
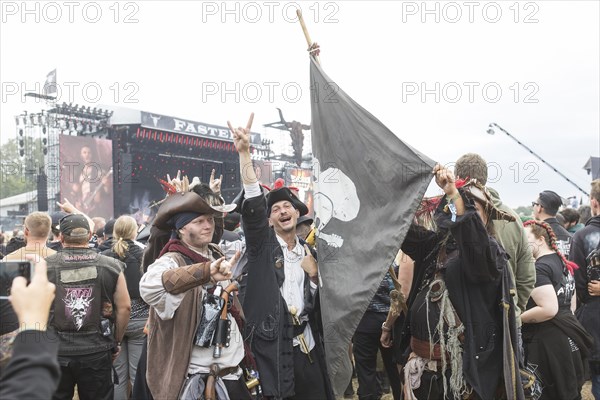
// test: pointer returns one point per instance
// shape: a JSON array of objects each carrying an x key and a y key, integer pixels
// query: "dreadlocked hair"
[
  {"x": 541, "y": 229},
  {"x": 431, "y": 259},
  {"x": 425, "y": 212}
]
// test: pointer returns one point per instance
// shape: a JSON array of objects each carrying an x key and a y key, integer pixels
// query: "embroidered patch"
[
  {"x": 78, "y": 275},
  {"x": 79, "y": 257},
  {"x": 77, "y": 304}
]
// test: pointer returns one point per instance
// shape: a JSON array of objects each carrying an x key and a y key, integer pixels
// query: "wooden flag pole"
[{"x": 306, "y": 35}]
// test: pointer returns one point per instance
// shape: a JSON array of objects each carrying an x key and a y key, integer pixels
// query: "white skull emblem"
[
  {"x": 335, "y": 197},
  {"x": 77, "y": 302}
]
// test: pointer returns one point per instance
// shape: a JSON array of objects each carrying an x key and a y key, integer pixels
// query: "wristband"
[
  {"x": 385, "y": 328},
  {"x": 455, "y": 197}
]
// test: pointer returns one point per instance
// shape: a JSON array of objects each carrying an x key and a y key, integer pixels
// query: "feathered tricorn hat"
[
  {"x": 472, "y": 189},
  {"x": 475, "y": 190},
  {"x": 283, "y": 193},
  {"x": 182, "y": 198},
  {"x": 279, "y": 192}
]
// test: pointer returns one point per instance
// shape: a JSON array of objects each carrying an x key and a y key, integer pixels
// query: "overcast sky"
[{"x": 435, "y": 75}]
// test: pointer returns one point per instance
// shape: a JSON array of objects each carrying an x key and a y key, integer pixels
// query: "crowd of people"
[{"x": 221, "y": 301}]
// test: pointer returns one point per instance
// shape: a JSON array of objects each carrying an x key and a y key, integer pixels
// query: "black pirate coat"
[
  {"x": 269, "y": 326},
  {"x": 474, "y": 279}
]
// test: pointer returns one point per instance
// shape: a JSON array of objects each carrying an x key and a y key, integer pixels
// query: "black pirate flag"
[{"x": 368, "y": 185}]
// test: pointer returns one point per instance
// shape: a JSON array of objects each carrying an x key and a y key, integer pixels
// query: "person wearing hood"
[{"x": 585, "y": 252}]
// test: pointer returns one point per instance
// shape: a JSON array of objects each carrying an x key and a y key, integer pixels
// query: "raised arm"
[
  {"x": 254, "y": 211},
  {"x": 480, "y": 256},
  {"x": 241, "y": 139},
  {"x": 446, "y": 180},
  {"x": 69, "y": 208}
]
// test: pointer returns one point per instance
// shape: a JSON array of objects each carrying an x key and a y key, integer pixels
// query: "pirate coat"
[
  {"x": 269, "y": 326},
  {"x": 474, "y": 282}
]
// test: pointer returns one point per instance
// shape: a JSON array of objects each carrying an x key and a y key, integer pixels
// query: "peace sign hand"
[{"x": 241, "y": 136}]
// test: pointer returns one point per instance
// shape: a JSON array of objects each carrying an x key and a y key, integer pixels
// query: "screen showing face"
[{"x": 86, "y": 176}]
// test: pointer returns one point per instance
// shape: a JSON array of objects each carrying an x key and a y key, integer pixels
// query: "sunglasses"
[{"x": 533, "y": 204}]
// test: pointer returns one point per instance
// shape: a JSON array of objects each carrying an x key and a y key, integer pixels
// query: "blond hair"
[
  {"x": 38, "y": 224},
  {"x": 125, "y": 229}
]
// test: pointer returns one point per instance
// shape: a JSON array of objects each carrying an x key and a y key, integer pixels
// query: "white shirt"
[{"x": 292, "y": 289}]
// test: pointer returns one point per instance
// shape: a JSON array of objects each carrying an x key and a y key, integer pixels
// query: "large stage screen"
[
  {"x": 146, "y": 170},
  {"x": 86, "y": 177}
]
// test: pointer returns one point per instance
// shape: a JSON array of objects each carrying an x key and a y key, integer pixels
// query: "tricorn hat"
[
  {"x": 475, "y": 190},
  {"x": 186, "y": 202},
  {"x": 285, "y": 194}
]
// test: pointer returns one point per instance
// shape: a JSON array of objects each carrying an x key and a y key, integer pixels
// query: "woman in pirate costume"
[
  {"x": 554, "y": 340},
  {"x": 185, "y": 278},
  {"x": 460, "y": 324}
]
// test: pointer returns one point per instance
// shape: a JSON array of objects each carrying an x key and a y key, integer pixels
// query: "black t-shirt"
[
  {"x": 550, "y": 270},
  {"x": 563, "y": 236}
]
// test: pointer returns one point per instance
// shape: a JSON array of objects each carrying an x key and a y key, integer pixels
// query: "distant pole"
[{"x": 491, "y": 132}]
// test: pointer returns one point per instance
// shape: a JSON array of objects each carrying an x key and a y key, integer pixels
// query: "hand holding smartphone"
[
  {"x": 9, "y": 270},
  {"x": 31, "y": 299}
]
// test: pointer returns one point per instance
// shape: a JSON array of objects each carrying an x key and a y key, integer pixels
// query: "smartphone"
[{"x": 9, "y": 270}]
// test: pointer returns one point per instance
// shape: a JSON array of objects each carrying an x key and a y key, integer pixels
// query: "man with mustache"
[{"x": 281, "y": 290}]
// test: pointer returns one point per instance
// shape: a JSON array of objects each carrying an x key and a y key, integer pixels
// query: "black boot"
[
  {"x": 384, "y": 382},
  {"x": 349, "y": 392}
]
